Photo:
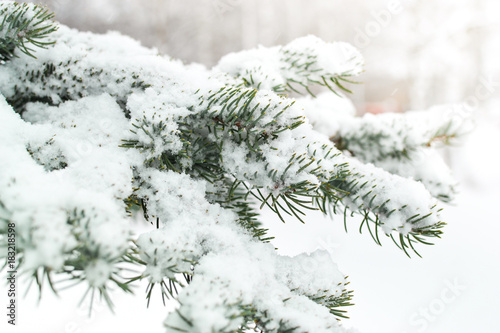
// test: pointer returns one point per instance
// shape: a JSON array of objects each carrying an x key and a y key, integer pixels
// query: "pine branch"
[
  {"x": 373, "y": 138},
  {"x": 22, "y": 26},
  {"x": 401, "y": 144},
  {"x": 197, "y": 157},
  {"x": 296, "y": 67}
]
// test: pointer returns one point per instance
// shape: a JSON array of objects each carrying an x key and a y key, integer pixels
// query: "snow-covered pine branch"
[
  {"x": 98, "y": 128},
  {"x": 401, "y": 143},
  {"x": 296, "y": 66}
]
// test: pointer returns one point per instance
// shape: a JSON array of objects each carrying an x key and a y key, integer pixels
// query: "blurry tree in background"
[{"x": 418, "y": 53}]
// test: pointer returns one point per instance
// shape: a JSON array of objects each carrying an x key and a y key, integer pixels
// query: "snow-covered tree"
[{"x": 97, "y": 130}]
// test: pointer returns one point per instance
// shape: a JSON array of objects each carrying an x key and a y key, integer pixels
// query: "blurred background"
[{"x": 418, "y": 54}]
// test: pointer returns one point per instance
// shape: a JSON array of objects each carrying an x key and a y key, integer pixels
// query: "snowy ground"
[{"x": 454, "y": 288}]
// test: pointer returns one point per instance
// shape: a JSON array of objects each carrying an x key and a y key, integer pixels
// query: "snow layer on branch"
[
  {"x": 233, "y": 271},
  {"x": 261, "y": 65},
  {"x": 327, "y": 111},
  {"x": 410, "y": 205},
  {"x": 402, "y": 143},
  {"x": 324, "y": 58},
  {"x": 83, "y": 64},
  {"x": 304, "y": 61},
  {"x": 25, "y": 196},
  {"x": 319, "y": 262},
  {"x": 426, "y": 166},
  {"x": 156, "y": 116},
  {"x": 304, "y": 156},
  {"x": 56, "y": 210},
  {"x": 373, "y": 137}
]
